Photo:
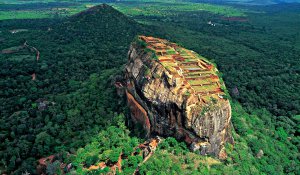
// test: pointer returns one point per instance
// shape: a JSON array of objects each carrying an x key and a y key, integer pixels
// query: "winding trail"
[
  {"x": 37, "y": 56},
  {"x": 33, "y": 48},
  {"x": 148, "y": 147}
]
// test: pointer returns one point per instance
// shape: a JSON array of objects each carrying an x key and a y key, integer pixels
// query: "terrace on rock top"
[
  {"x": 193, "y": 73},
  {"x": 173, "y": 91}
]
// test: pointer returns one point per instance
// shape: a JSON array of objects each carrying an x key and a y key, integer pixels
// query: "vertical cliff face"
[{"x": 175, "y": 92}]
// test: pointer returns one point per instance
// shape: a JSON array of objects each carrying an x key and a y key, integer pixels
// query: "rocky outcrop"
[{"x": 172, "y": 91}]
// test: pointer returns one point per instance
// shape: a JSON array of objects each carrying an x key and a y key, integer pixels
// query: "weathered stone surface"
[
  {"x": 161, "y": 102},
  {"x": 260, "y": 154}
]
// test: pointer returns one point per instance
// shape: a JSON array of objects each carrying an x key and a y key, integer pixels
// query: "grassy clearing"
[
  {"x": 38, "y": 14},
  {"x": 23, "y": 15},
  {"x": 197, "y": 82},
  {"x": 19, "y": 1},
  {"x": 171, "y": 52},
  {"x": 38, "y": 11},
  {"x": 19, "y": 58},
  {"x": 165, "y": 9},
  {"x": 144, "y": 8}
]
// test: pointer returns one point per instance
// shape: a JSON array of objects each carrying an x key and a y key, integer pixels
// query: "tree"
[
  {"x": 53, "y": 168},
  {"x": 43, "y": 143},
  {"x": 114, "y": 155}
]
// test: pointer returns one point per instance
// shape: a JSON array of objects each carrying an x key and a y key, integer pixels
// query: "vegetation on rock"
[{"x": 72, "y": 105}]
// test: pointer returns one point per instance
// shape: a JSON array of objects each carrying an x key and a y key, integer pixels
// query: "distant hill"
[
  {"x": 98, "y": 29},
  {"x": 103, "y": 22}
]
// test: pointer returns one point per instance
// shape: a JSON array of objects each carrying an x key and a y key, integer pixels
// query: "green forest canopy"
[{"x": 82, "y": 56}]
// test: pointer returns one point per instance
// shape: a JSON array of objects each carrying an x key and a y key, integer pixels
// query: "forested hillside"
[
  {"x": 65, "y": 102},
  {"x": 72, "y": 97}
]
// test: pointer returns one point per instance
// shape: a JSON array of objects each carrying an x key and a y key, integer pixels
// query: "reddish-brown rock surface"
[
  {"x": 175, "y": 92},
  {"x": 139, "y": 113}
]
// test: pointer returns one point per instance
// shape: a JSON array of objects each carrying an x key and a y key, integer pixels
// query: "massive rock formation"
[{"x": 175, "y": 92}]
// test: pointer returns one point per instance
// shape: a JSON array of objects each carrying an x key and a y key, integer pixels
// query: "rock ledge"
[{"x": 175, "y": 92}]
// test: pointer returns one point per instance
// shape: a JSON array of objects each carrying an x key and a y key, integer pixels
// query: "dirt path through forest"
[
  {"x": 33, "y": 48},
  {"x": 37, "y": 56}
]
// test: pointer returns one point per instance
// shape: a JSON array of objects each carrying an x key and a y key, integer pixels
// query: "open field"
[
  {"x": 164, "y": 9},
  {"x": 49, "y": 9},
  {"x": 24, "y": 15},
  {"x": 38, "y": 10}
]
